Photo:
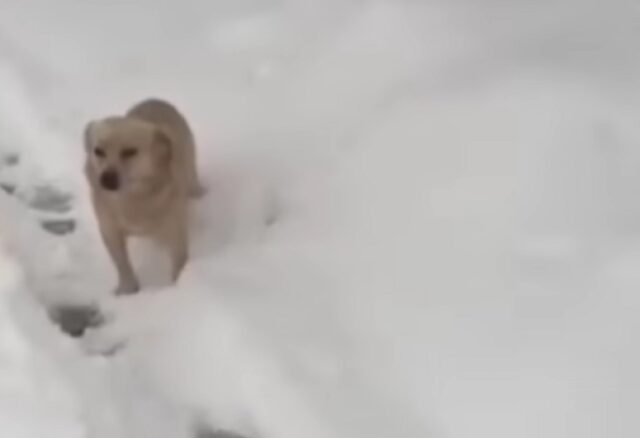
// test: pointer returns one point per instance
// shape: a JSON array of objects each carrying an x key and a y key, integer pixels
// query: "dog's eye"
[
  {"x": 99, "y": 152},
  {"x": 129, "y": 153}
]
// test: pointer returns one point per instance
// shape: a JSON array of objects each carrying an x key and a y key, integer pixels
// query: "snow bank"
[
  {"x": 420, "y": 221},
  {"x": 35, "y": 399}
]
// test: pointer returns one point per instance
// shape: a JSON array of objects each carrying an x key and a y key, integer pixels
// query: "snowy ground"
[{"x": 422, "y": 220}]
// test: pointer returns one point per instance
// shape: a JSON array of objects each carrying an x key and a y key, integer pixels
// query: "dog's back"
[{"x": 165, "y": 115}]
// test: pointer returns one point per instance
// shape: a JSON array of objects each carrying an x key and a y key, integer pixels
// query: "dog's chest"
[{"x": 143, "y": 217}]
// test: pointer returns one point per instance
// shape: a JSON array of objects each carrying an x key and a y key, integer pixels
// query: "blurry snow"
[{"x": 422, "y": 220}]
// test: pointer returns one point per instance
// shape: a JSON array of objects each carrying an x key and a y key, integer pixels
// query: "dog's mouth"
[{"x": 110, "y": 180}]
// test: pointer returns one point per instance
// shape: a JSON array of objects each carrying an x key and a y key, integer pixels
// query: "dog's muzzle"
[{"x": 110, "y": 180}]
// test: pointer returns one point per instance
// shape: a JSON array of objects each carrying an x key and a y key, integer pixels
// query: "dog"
[{"x": 141, "y": 169}]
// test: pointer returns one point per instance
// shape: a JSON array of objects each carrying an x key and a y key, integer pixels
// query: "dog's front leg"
[
  {"x": 117, "y": 247},
  {"x": 179, "y": 248},
  {"x": 176, "y": 240},
  {"x": 115, "y": 241}
]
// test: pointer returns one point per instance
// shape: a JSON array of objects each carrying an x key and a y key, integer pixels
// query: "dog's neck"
[
  {"x": 135, "y": 210},
  {"x": 157, "y": 190}
]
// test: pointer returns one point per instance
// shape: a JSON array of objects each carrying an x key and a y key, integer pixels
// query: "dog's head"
[{"x": 127, "y": 155}]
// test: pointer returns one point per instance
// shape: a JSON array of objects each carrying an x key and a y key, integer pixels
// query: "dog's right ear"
[{"x": 89, "y": 135}]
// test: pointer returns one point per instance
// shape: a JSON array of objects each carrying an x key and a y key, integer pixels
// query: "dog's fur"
[{"x": 141, "y": 168}]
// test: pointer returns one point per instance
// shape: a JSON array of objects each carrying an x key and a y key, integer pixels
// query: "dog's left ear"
[{"x": 162, "y": 140}]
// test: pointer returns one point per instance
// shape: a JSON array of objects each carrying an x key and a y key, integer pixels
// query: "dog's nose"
[{"x": 110, "y": 180}]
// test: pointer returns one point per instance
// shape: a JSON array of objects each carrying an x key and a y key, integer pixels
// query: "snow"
[{"x": 421, "y": 220}]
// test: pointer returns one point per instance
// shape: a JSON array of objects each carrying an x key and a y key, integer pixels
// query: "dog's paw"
[
  {"x": 197, "y": 192},
  {"x": 102, "y": 341},
  {"x": 127, "y": 288}
]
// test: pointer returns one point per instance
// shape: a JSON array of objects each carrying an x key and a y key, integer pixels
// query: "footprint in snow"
[
  {"x": 51, "y": 201},
  {"x": 75, "y": 320}
]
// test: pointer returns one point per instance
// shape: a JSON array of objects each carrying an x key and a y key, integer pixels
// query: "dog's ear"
[
  {"x": 163, "y": 141},
  {"x": 89, "y": 135}
]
